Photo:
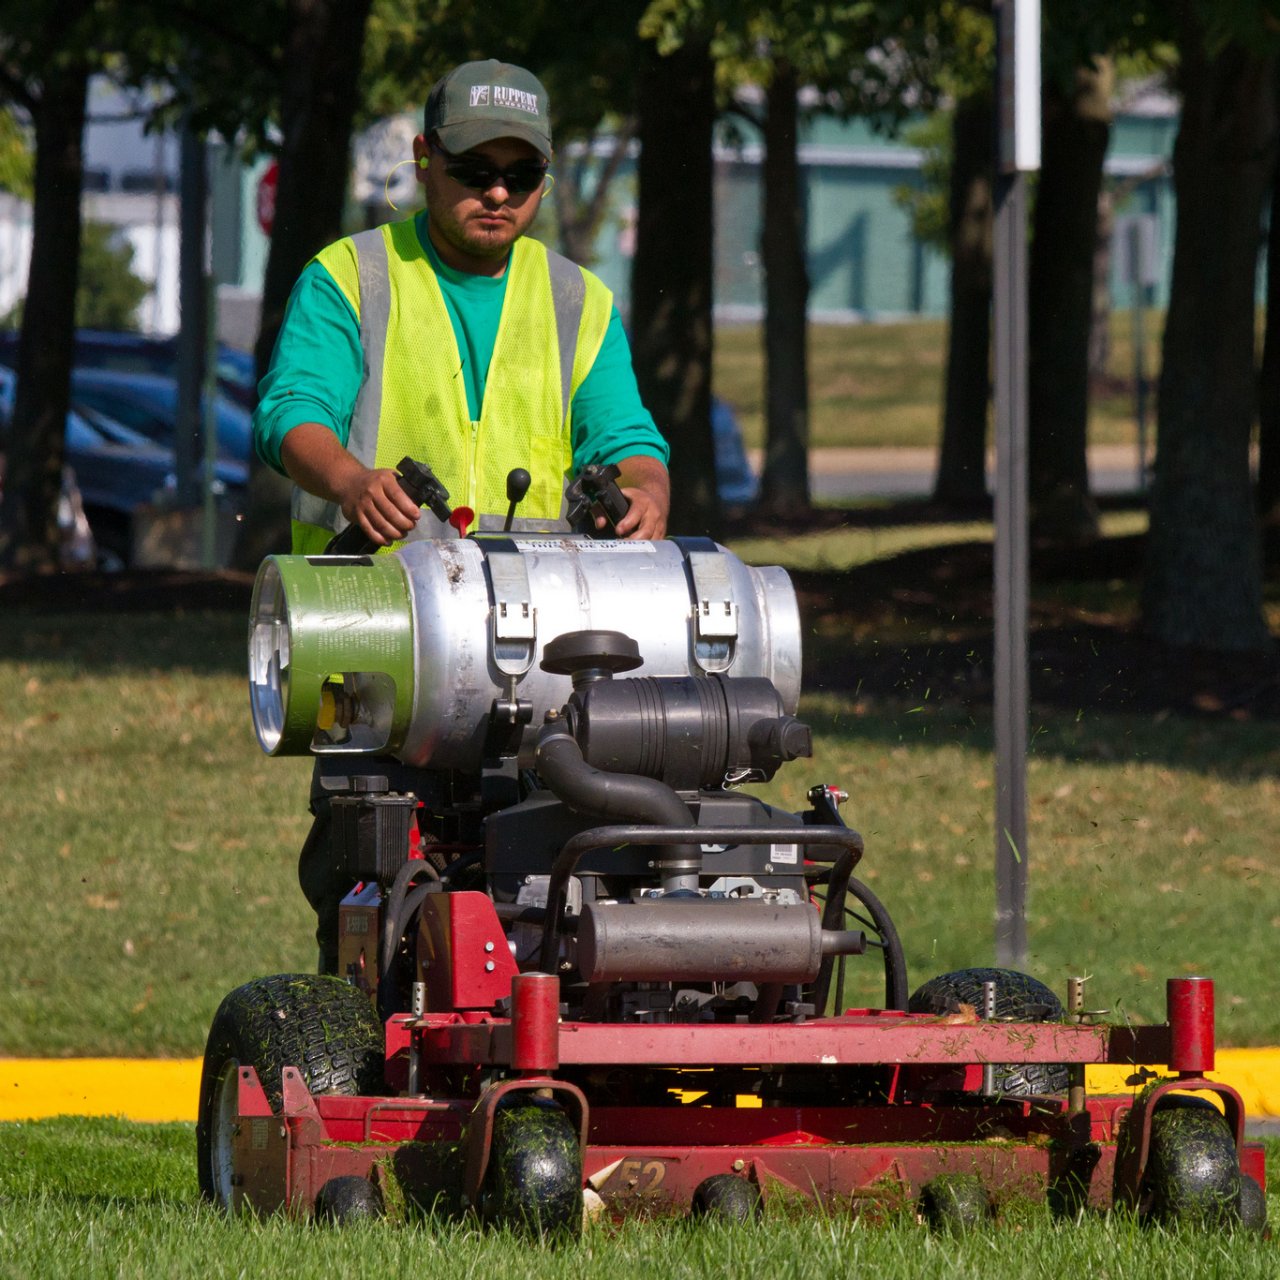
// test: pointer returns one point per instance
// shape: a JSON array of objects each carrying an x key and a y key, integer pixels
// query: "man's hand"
[
  {"x": 370, "y": 497},
  {"x": 375, "y": 501},
  {"x": 644, "y": 482}
]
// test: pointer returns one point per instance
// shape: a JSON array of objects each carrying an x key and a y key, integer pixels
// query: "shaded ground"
[
  {"x": 1086, "y": 649},
  {"x": 907, "y": 627}
]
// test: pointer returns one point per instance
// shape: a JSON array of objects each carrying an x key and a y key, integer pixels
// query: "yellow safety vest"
[{"x": 412, "y": 399}]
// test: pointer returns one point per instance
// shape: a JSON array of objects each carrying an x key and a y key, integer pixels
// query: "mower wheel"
[
  {"x": 534, "y": 1179},
  {"x": 322, "y": 1025},
  {"x": 1253, "y": 1205},
  {"x": 1019, "y": 998},
  {"x": 1193, "y": 1170},
  {"x": 726, "y": 1198},
  {"x": 349, "y": 1198},
  {"x": 955, "y": 1202}
]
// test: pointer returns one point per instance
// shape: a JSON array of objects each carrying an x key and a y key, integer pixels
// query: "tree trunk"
[
  {"x": 962, "y": 458},
  {"x": 1100, "y": 325},
  {"x": 1204, "y": 580},
  {"x": 785, "y": 483},
  {"x": 578, "y": 219},
  {"x": 1269, "y": 377},
  {"x": 29, "y": 518},
  {"x": 319, "y": 97},
  {"x": 1075, "y": 130},
  {"x": 672, "y": 273}
]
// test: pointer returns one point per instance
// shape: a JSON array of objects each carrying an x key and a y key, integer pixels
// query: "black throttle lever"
[
  {"x": 421, "y": 484},
  {"x": 594, "y": 492}
]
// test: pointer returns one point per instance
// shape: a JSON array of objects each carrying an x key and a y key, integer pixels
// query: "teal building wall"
[{"x": 864, "y": 261}]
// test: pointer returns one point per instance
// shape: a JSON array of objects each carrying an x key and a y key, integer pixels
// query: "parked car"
[
  {"x": 148, "y": 403},
  {"x": 116, "y": 470},
  {"x": 145, "y": 353},
  {"x": 736, "y": 483}
]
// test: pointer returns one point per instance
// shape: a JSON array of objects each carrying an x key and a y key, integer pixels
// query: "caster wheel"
[
  {"x": 726, "y": 1197},
  {"x": 1253, "y": 1205},
  {"x": 1193, "y": 1172},
  {"x": 348, "y": 1199},
  {"x": 534, "y": 1179},
  {"x": 955, "y": 1202}
]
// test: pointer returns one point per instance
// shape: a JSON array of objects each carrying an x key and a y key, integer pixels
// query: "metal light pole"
[{"x": 1018, "y": 150}]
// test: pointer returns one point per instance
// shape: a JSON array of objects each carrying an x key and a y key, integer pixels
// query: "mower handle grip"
[{"x": 421, "y": 484}]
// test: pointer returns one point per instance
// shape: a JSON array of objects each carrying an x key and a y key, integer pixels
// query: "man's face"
[{"x": 477, "y": 227}]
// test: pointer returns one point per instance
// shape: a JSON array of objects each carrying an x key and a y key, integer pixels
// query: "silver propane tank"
[{"x": 431, "y": 654}]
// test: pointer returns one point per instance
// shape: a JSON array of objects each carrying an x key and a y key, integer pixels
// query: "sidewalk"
[{"x": 840, "y": 474}]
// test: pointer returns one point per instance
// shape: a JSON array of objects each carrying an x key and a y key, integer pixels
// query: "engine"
[{"x": 563, "y": 726}]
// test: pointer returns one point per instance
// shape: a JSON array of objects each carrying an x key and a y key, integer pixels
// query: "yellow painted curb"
[
  {"x": 150, "y": 1089},
  {"x": 154, "y": 1090},
  {"x": 1253, "y": 1073}
]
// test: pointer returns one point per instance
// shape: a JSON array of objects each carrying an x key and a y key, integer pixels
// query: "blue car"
[
  {"x": 144, "y": 353},
  {"x": 118, "y": 469},
  {"x": 148, "y": 404},
  {"x": 736, "y": 483}
]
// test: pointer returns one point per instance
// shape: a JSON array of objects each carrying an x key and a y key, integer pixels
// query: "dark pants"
[{"x": 323, "y": 884}]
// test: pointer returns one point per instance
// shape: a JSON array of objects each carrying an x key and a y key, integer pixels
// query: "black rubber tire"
[
  {"x": 320, "y": 1024},
  {"x": 349, "y": 1198},
  {"x": 1192, "y": 1176},
  {"x": 534, "y": 1179},
  {"x": 1020, "y": 998},
  {"x": 955, "y": 1202},
  {"x": 1253, "y": 1205},
  {"x": 725, "y": 1197}
]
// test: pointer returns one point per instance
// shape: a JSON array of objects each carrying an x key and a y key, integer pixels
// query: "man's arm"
[
  {"x": 646, "y": 485},
  {"x": 318, "y": 462}
]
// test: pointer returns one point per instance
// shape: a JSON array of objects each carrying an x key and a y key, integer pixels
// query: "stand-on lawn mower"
[{"x": 579, "y": 967}]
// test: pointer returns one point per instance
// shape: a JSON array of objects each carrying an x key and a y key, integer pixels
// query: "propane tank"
[{"x": 432, "y": 654}]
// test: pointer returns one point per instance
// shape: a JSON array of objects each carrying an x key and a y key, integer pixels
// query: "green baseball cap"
[{"x": 480, "y": 101}]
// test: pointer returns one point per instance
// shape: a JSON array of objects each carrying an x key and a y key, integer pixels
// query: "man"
[{"x": 452, "y": 338}]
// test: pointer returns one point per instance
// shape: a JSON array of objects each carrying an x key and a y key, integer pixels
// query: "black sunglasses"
[{"x": 482, "y": 175}]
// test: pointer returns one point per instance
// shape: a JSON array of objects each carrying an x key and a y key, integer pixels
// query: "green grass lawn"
[
  {"x": 150, "y": 846},
  {"x": 152, "y": 843},
  {"x": 106, "y": 1198},
  {"x": 876, "y": 385},
  {"x": 149, "y": 867}
]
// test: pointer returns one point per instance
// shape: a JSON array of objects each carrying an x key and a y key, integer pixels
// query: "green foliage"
[
  {"x": 831, "y": 46},
  {"x": 587, "y": 62},
  {"x": 108, "y": 292},
  {"x": 15, "y": 157},
  {"x": 927, "y": 200}
]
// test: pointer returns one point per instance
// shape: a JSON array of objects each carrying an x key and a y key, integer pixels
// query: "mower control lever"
[
  {"x": 420, "y": 483},
  {"x": 518, "y": 482},
  {"x": 595, "y": 493}
]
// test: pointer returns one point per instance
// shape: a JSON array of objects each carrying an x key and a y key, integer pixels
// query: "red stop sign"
[{"x": 267, "y": 196}]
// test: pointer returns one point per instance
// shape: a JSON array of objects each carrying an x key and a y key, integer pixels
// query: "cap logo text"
[{"x": 517, "y": 99}]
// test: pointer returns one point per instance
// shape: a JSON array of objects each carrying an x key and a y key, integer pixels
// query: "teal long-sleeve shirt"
[{"x": 317, "y": 366}]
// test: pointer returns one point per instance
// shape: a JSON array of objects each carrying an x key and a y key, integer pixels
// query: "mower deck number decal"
[{"x": 642, "y": 1176}]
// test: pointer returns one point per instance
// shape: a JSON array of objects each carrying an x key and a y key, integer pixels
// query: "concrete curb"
[{"x": 156, "y": 1090}]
